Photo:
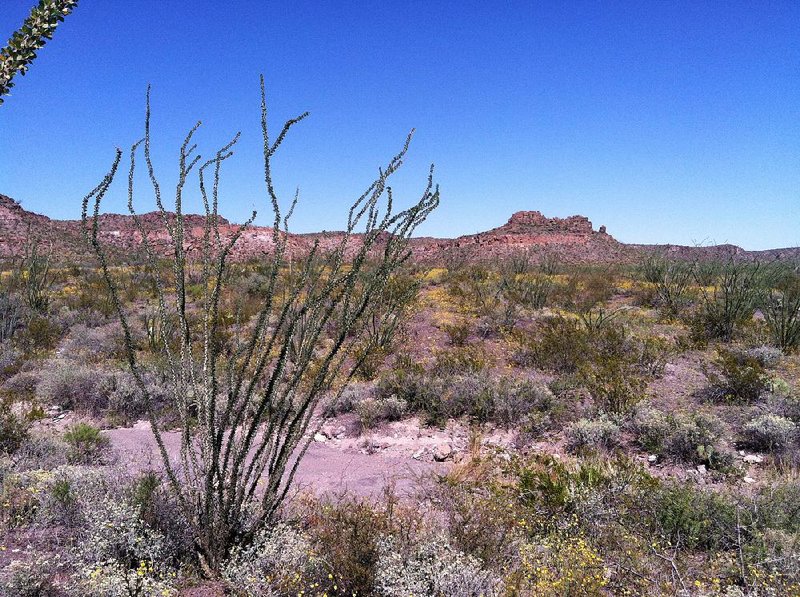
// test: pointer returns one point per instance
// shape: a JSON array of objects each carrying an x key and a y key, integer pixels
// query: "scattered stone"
[
  {"x": 749, "y": 480},
  {"x": 418, "y": 454},
  {"x": 652, "y": 458},
  {"x": 442, "y": 452},
  {"x": 701, "y": 468},
  {"x": 754, "y": 459},
  {"x": 320, "y": 437}
]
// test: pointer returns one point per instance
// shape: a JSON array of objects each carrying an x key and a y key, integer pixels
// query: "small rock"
[
  {"x": 418, "y": 454},
  {"x": 652, "y": 458},
  {"x": 701, "y": 468},
  {"x": 319, "y": 437},
  {"x": 741, "y": 452},
  {"x": 754, "y": 458},
  {"x": 442, "y": 452},
  {"x": 749, "y": 480}
]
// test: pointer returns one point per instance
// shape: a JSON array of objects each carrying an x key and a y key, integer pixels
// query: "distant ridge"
[{"x": 572, "y": 239}]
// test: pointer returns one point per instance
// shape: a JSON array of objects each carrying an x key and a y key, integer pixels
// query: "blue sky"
[{"x": 665, "y": 121}]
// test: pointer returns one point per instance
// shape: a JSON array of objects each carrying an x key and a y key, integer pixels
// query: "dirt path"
[{"x": 325, "y": 469}]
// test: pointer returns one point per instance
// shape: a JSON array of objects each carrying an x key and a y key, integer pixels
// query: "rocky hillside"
[{"x": 571, "y": 239}]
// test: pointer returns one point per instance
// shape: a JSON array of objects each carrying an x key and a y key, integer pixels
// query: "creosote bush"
[{"x": 740, "y": 377}]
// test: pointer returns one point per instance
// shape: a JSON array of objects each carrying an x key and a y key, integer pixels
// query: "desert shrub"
[
  {"x": 409, "y": 382},
  {"x": 124, "y": 396},
  {"x": 11, "y": 315},
  {"x": 693, "y": 518},
  {"x": 40, "y": 451},
  {"x": 781, "y": 309},
  {"x": 653, "y": 352},
  {"x": 502, "y": 400},
  {"x": 560, "y": 565},
  {"x": 566, "y": 386},
  {"x": 557, "y": 344},
  {"x": 694, "y": 438},
  {"x": 590, "y": 492},
  {"x": 475, "y": 286},
  {"x": 518, "y": 402},
  {"x": 433, "y": 567},
  {"x": 371, "y": 360},
  {"x": 373, "y": 411},
  {"x": 347, "y": 401},
  {"x": 86, "y": 444},
  {"x": 72, "y": 386},
  {"x": 729, "y": 299},
  {"x": 594, "y": 286},
  {"x": 20, "y": 503},
  {"x": 22, "y": 385},
  {"x": 119, "y": 555},
  {"x": 93, "y": 345},
  {"x": 770, "y": 432},
  {"x": 29, "y": 578},
  {"x": 767, "y": 356},
  {"x": 346, "y": 532},
  {"x": 779, "y": 505},
  {"x": 671, "y": 281},
  {"x": 40, "y": 335},
  {"x": 739, "y": 377},
  {"x": 615, "y": 384},
  {"x": 783, "y": 401},
  {"x": 527, "y": 290},
  {"x": 651, "y": 427},
  {"x": 480, "y": 515},
  {"x": 457, "y": 333},
  {"x": 13, "y": 429},
  {"x": 461, "y": 359},
  {"x": 598, "y": 319},
  {"x": 279, "y": 561},
  {"x": 10, "y": 357},
  {"x": 587, "y": 435}
]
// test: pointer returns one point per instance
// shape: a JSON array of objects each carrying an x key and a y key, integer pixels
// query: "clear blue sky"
[{"x": 665, "y": 121}]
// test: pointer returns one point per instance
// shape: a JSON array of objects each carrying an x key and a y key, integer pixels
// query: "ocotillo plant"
[
  {"x": 30, "y": 38},
  {"x": 247, "y": 405}
]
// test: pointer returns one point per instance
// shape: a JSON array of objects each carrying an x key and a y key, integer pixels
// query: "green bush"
[
  {"x": 461, "y": 359},
  {"x": 729, "y": 299},
  {"x": 13, "y": 430},
  {"x": 40, "y": 335},
  {"x": 671, "y": 280},
  {"x": 769, "y": 432},
  {"x": 694, "y": 519},
  {"x": 586, "y": 435},
  {"x": 557, "y": 344},
  {"x": 651, "y": 428},
  {"x": 86, "y": 444},
  {"x": 739, "y": 377},
  {"x": 694, "y": 438},
  {"x": 615, "y": 384},
  {"x": 781, "y": 309},
  {"x": 457, "y": 333},
  {"x": 73, "y": 386}
]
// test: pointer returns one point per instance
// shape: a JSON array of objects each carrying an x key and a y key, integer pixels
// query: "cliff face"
[{"x": 571, "y": 239}]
